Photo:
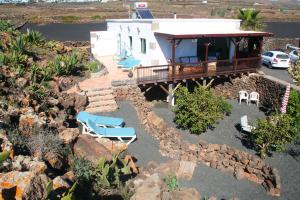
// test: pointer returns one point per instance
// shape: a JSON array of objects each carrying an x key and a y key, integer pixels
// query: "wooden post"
[
  {"x": 206, "y": 56},
  {"x": 236, "y": 46},
  {"x": 171, "y": 95},
  {"x": 261, "y": 43},
  {"x": 173, "y": 57}
]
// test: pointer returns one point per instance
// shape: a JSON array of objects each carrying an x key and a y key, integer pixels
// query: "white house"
[{"x": 157, "y": 42}]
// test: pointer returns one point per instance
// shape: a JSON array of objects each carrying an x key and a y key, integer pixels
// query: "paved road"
[
  {"x": 81, "y": 32},
  {"x": 278, "y": 73}
]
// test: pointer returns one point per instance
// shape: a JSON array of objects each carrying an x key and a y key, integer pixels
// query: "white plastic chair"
[
  {"x": 254, "y": 96},
  {"x": 244, "y": 124},
  {"x": 243, "y": 95}
]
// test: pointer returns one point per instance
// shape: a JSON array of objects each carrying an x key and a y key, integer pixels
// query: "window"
[
  {"x": 130, "y": 42},
  {"x": 143, "y": 45}
]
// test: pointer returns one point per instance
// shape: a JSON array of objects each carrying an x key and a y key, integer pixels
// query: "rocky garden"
[{"x": 45, "y": 156}]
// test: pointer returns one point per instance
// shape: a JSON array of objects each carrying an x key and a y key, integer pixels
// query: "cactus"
[
  {"x": 108, "y": 173},
  {"x": 3, "y": 156}
]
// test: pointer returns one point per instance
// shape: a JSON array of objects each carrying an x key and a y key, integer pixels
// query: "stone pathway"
[
  {"x": 99, "y": 89},
  {"x": 210, "y": 181}
]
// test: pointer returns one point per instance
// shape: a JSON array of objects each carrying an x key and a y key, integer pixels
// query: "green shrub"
[
  {"x": 3, "y": 59},
  {"x": 19, "y": 44},
  {"x": 64, "y": 64},
  {"x": 95, "y": 17},
  {"x": 109, "y": 174},
  {"x": 172, "y": 182},
  {"x": 293, "y": 108},
  {"x": 69, "y": 19},
  {"x": 45, "y": 141},
  {"x": 273, "y": 133},
  {"x": 5, "y": 25},
  {"x": 34, "y": 37},
  {"x": 125, "y": 192},
  {"x": 93, "y": 66},
  {"x": 294, "y": 70},
  {"x": 39, "y": 90},
  {"x": 199, "y": 110},
  {"x": 3, "y": 156},
  {"x": 17, "y": 62},
  {"x": 83, "y": 170},
  {"x": 19, "y": 142}
]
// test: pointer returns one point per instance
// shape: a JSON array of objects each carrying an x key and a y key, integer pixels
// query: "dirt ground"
[{"x": 94, "y": 12}]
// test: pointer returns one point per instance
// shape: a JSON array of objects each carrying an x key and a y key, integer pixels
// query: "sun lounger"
[
  {"x": 118, "y": 133},
  {"x": 101, "y": 121},
  {"x": 244, "y": 124}
]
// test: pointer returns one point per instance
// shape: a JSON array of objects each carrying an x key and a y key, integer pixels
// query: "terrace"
[{"x": 213, "y": 55}]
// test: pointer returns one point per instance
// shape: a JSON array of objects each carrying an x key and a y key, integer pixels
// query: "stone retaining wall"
[
  {"x": 279, "y": 43},
  {"x": 271, "y": 92},
  {"x": 240, "y": 164}
]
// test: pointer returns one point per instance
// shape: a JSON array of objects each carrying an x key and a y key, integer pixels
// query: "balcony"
[{"x": 187, "y": 71}]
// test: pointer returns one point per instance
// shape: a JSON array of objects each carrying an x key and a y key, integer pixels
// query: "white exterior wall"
[
  {"x": 137, "y": 31},
  {"x": 103, "y": 43},
  {"x": 158, "y": 49}
]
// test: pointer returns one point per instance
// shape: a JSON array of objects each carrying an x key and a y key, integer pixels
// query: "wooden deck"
[{"x": 186, "y": 71}]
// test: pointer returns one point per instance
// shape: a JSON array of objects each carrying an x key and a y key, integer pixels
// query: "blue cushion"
[
  {"x": 110, "y": 121},
  {"x": 111, "y": 132}
]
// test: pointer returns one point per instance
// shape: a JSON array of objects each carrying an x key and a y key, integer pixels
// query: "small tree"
[
  {"x": 251, "y": 20},
  {"x": 294, "y": 70},
  {"x": 199, "y": 110},
  {"x": 273, "y": 133},
  {"x": 293, "y": 108}
]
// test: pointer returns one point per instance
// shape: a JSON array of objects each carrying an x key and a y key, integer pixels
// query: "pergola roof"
[{"x": 182, "y": 34}]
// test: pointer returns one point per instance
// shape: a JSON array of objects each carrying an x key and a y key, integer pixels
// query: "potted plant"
[{"x": 130, "y": 73}]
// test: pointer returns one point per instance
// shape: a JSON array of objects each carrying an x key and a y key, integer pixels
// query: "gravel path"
[
  {"x": 210, "y": 181},
  {"x": 207, "y": 180},
  {"x": 145, "y": 148}
]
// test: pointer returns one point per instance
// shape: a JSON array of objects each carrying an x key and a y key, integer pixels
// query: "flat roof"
[
  {"x": 172, "y": 20},
  {"x": 184, "y": 34}
]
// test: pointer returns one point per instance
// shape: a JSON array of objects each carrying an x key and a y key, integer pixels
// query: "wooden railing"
[{"x": 184, "y": 71}]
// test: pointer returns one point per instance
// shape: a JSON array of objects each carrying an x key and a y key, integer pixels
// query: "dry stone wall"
[
  {"x": 271, "y": 44},
  {"x": 242, "y": 165},
  {"x": 271, "y": 92}
]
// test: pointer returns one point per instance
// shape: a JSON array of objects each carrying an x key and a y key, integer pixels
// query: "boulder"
[
  {"x": 150, "y": 189},
  {"x": 156, "y": 121},
  {"x": 60, "y": 183},
  {"x": 80, "y": 102},
  {"x": 21, "y": 82},
  {"x": 69, "y": 176},
  {"x": 184, "y": 194},
  {"x": 88, "y": 148},
  {"x": 52, "y": 101},
  {"x": 29, "y": 120},
  {"x": 22, "y": 185},
  {"x": 113, "y": 146},
  {"x": 186, "y": 170},
  {"x": 69, "y": 135},
  {"x": 239, "y": 173},
  {"x": 54, "y": 160},
  {"x": 27, "y": 163}
]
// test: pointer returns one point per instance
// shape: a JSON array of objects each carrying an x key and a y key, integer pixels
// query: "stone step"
[
  {"x": 99, "y": 89},
  {"x": 99, "y": 93},
  {"x": 103, "y": 103},
  {"x": 101, "y": 98},
  {"x": 101, "y": 109}
]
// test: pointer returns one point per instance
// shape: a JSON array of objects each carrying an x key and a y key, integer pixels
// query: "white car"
[
  {"x": 294, "y": 56},
  {"x": 276, "y": 59}
]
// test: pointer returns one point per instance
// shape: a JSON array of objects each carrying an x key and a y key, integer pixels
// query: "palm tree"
[{"x": 251, "y": 20}]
